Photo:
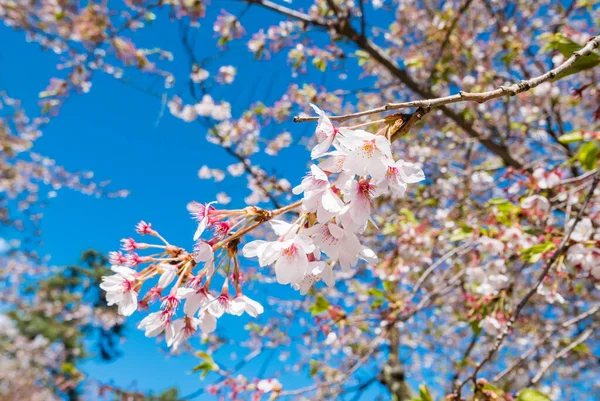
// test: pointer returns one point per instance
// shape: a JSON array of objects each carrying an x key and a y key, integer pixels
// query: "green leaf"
[
  {"x": 534, "y": 254},
  {"x": 205, "y": 368},
  {"x": 314, "y": 367},
  {"x": 409, "y": 215},
  {"x": 424, "y": 393},
  {"x": 588, "y": 155},
  {"x": 497, "y": 201},
  {"x": 375, "y": 292},
  {"x": 321, "y": 305},
  {"x": 320, "y": 64},
  {"x": 573, "y": 136},
  {"x": 530, "y": 394},
  {"x": 461, "y": 234},
  {"x": 68, "y": 368}
]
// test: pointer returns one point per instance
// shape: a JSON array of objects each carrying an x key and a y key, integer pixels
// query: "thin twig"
[{"x": 584, "y": 336}]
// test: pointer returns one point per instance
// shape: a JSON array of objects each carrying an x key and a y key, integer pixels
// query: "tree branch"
[{"x": 479, "y": 97}]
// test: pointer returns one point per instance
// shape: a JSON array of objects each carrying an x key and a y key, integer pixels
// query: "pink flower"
[
  {"x": 200, "y": 213},
  {"x": 289, "y": 253},
  {"x": 359, "y": 194},
  {"x": 398, "y": 175},
  {"x": 338, "y": 243},
  {"x": 248, "y": 305},
  {"x": 144, "y": 228},
  {"x": 319, "y": 196},
  {"x": 225, "y": 304},
  {"x": 184, "y": 328},
  {"x": 325, "y": 133},
  {"x": 317, "y": 271},
  {"x": 157, "y": 322},
  {"x": 117, "y": 258},
  {"x": 120, "y": 289},
  {"x": 536, "y": 202},
  {"x": 128, "y": 244},
  {"x": 367, "y": 154}
]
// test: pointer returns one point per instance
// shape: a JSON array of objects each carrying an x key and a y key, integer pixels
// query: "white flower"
[
  {"x": 195, "y": 299},
  {"x": 207, "y": 322},
  {"x": 545, "y": 180},
  {"x": 491, "y": 325},
  {"x": 205, "y": 107},
  {"x": 481, "y": 178},
  {"x": 325, "y": 133},
  {"x": 319, "y": 196},
  {"x": 338, "y": 243},
  {"x": 169, "y": 272},
  {"x": 199, "y": 75},
  {"x": 224, "y": 304},
  {"x": 588, "y": 259},
  {"x": 157, "y": 322},
  {"x": 200, "y": 213},
  {"x": 536, "y": 202},
  {"x": 203, "y": 253},
  {"x": 550, "y": 295},
  {"x": 583, "y": 230},
  {"x": 268, "y": 385},
  {"x": 188, "y": 113},
  {"x": 491, "y": 246},
  {"x": 334, "y": 162},
  {"x": 359, "y": 195},
  {"x": 183, "y": 328},
  {"x": 248, "y": 305},
  {"x": 289, "y": 253},
  {"x": 120, "y": 289},
  {"x": 318, "y": 270},
  {"x": 227, "y": 74},
  {"x": 367, "y": 154},
  {"x": 398, "y": 175}
]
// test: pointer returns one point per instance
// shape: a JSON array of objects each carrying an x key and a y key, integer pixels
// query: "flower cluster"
[
  {"x": 337, "y": 197},
  {"x": 336, "y": 207}
]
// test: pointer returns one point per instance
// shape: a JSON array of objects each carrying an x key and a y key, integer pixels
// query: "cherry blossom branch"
[
  {"x": 504, "y": 333},
  {"x": 539, "y": 343},
  {"x": 580, "y": 339},
  {"x": 479, "y": 97},
  {"x": 262, "y": 217}
]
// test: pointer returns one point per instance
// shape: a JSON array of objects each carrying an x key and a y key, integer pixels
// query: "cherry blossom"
[{"x": 121, "y": 289}]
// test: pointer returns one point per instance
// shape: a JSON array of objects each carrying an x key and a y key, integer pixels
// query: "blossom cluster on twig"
[{"x": 336, "y": 208}]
